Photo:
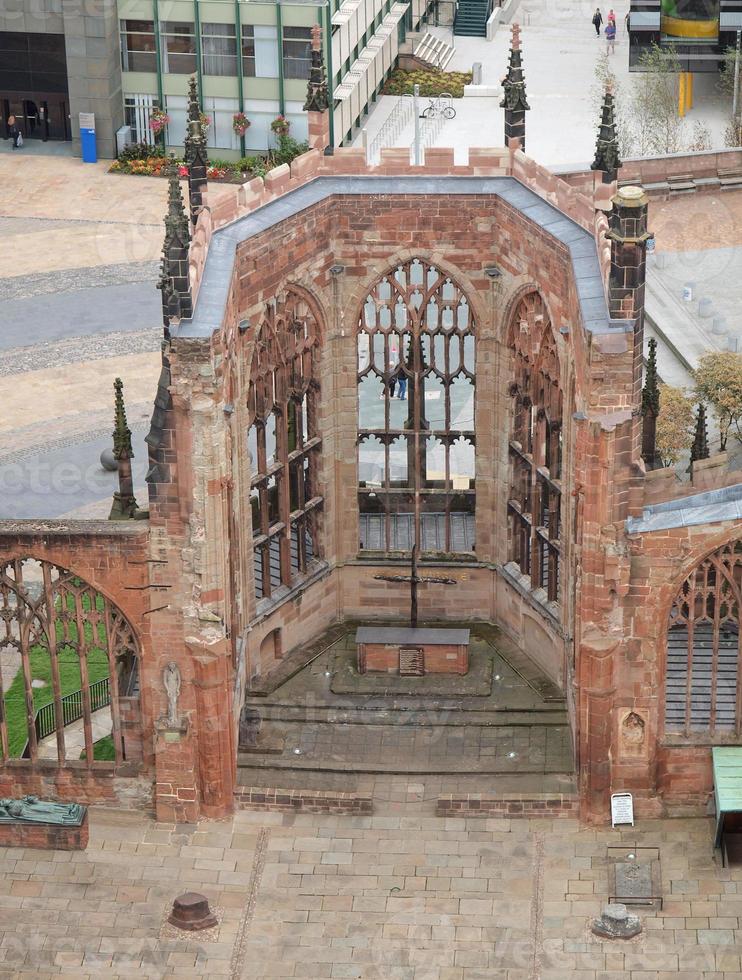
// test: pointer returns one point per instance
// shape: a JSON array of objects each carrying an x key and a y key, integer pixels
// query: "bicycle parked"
[{"x": 441, "y": 105}]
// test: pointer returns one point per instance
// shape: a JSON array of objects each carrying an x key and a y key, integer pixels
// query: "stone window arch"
[
  {"x": 283, "y": 444},
  {"x": 69, "y": 669},
  {"x": 416, "y": 440},
  {"x": 535, "y": 448},
  {"x": 702, "y": 677}
]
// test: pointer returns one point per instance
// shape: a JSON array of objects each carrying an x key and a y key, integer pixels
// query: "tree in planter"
[
  {"x": 719, "y": 383},
  {"x": 654, "y": 103},
  {"x": 675, "y": 424}
]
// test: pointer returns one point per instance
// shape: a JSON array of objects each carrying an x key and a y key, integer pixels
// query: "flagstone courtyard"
[{"x": 400, "y": 895}]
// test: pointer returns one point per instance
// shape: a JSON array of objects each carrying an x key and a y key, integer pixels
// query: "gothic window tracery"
[
  {"x": 534, "y": 503},
  {"x": 67, "y": 655},
  {"x": 702, "y": 682},
  {"x": 416, "y": 441},
  {"x": 283, "y": 444}
]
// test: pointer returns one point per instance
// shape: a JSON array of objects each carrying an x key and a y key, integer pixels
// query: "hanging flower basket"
[
  {"x": 240, "y": 123},
  {"x": 280, "y": 126},
  {"x": 158, "y": 120},
  {"x": 205, "y": 123}
]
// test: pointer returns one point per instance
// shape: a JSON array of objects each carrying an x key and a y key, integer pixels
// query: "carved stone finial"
[
  {"x": 514, "y": 100},
  {"x": 124, "y": 506},
  {"x": 194, "y": 129},
  {"x": 317, "y": 96},
  {"x": 607, "y": 157},
  {"x": 700, "y": 447},
  {"x": 651, "y": 389},
  {"x": 176, "y": 221},
  {"x": 121, "y": 432},
  {"x": 650, "y": 409}
]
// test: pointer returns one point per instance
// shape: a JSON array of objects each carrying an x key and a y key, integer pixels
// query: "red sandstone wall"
[{"x": 112, "y": 557}]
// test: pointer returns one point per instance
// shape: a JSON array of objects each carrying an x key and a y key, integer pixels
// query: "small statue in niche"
[
  {"x": 171, "y": 680},
  {"x": 632, "y": 730}
]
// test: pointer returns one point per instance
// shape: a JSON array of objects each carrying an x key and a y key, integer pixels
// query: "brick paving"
[{"x": 399, "y": 895}]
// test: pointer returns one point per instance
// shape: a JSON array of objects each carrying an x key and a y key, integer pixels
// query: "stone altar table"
[{"x": 412, "y": 652}]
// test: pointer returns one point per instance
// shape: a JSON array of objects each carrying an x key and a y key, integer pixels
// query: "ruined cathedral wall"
[
  {"x": 675, "y": 768},
  {"x": 362, "y": 238},
  {"x": 191, "y": 556},
  {"x": 111, "y": 557}
]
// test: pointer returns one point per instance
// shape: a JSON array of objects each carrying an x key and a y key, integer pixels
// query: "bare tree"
[{"x": 654, "y": 103}]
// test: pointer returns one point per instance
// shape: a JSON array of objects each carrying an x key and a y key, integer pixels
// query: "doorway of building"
[
  {"x": 39, "y": 116},
  {"x": 33, "y": 85}
]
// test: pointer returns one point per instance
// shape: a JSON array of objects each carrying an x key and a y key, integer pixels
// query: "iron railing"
[{"x": 45, "y": 719}]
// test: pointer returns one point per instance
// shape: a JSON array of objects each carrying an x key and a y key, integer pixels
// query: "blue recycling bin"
[{"x": 89, "y": 149}]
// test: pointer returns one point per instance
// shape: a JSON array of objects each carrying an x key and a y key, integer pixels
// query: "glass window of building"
[
  {"x": 259, "y": 51},
  {"x": 221, "y": 113},
  {"x": 218, "y": 49},
  {"x": 416, "y": 456},
  {"x": 178, "y": 48},
  {"x": 138, "y": 49},
  {"x": 283, "y": 444},
  {"x": 137, "y": 113},
  {"x": 297, "y": 52}
]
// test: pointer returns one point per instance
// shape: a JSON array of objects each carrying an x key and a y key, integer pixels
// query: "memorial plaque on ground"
[{"x": 634, "y": 876}]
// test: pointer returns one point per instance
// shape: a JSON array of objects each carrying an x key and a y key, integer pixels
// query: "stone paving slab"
[{"x": 392, "y": 896}]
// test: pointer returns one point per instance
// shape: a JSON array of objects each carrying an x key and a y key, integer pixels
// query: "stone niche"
[{"x": 412, "y": 652}]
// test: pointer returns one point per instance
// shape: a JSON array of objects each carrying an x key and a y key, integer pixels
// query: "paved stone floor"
[
  {"x": 399, "y": 895},
  {"x": 560, "y": 55}
]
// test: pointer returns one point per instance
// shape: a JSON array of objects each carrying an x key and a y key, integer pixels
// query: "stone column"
[
  {"x": 217, "y": 758},
  {"x": 628, "y": 237}
]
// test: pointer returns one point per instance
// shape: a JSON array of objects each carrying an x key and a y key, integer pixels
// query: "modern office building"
[
  {"x": 698, "y": 31},
  {"x": 121, "y": 59}
]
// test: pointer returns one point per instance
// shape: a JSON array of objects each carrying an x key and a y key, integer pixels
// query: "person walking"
[
  {"x": 14, "y": 132},
  {"x": 610, "y": 36},
  {"x": 597, "y": 21}
]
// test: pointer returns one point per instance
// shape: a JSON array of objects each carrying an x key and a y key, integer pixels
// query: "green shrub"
[
  {"x": 140, "y": 151},
  {"x": 432, "y": 82},
  {"x": 287, "y": 150}
]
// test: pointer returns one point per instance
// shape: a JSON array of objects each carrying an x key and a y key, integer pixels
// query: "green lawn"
[
  {"x": 103, "y": 750},
  {"x": 69, "y": 676}
]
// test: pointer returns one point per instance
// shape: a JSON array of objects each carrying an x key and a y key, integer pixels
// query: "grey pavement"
[
  {"x": 40, "y": 319},
  {"x": 54, "y": 481}
]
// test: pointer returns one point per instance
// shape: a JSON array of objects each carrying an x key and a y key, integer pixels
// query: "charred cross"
[{"x": 414, "y": 579}]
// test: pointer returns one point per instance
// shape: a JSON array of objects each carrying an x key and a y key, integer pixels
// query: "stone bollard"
[
  {"x": 719, "y": 326},
  {"x": 191, "y": 913},
  {"x": 616, "y": 922},
  {"x": 108, "y": 461},
  {"x": 705, "y": 307}
]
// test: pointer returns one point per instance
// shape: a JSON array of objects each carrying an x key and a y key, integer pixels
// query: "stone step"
[
  {"x": 423, "y": 715},
  {"x": 385, "y": 787},
  {"x": 431, "y": 749}
]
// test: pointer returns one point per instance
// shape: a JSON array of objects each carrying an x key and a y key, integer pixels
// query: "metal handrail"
[
  {"x": 45, "y": 719},
  {"x": 394, "y": 124}
]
